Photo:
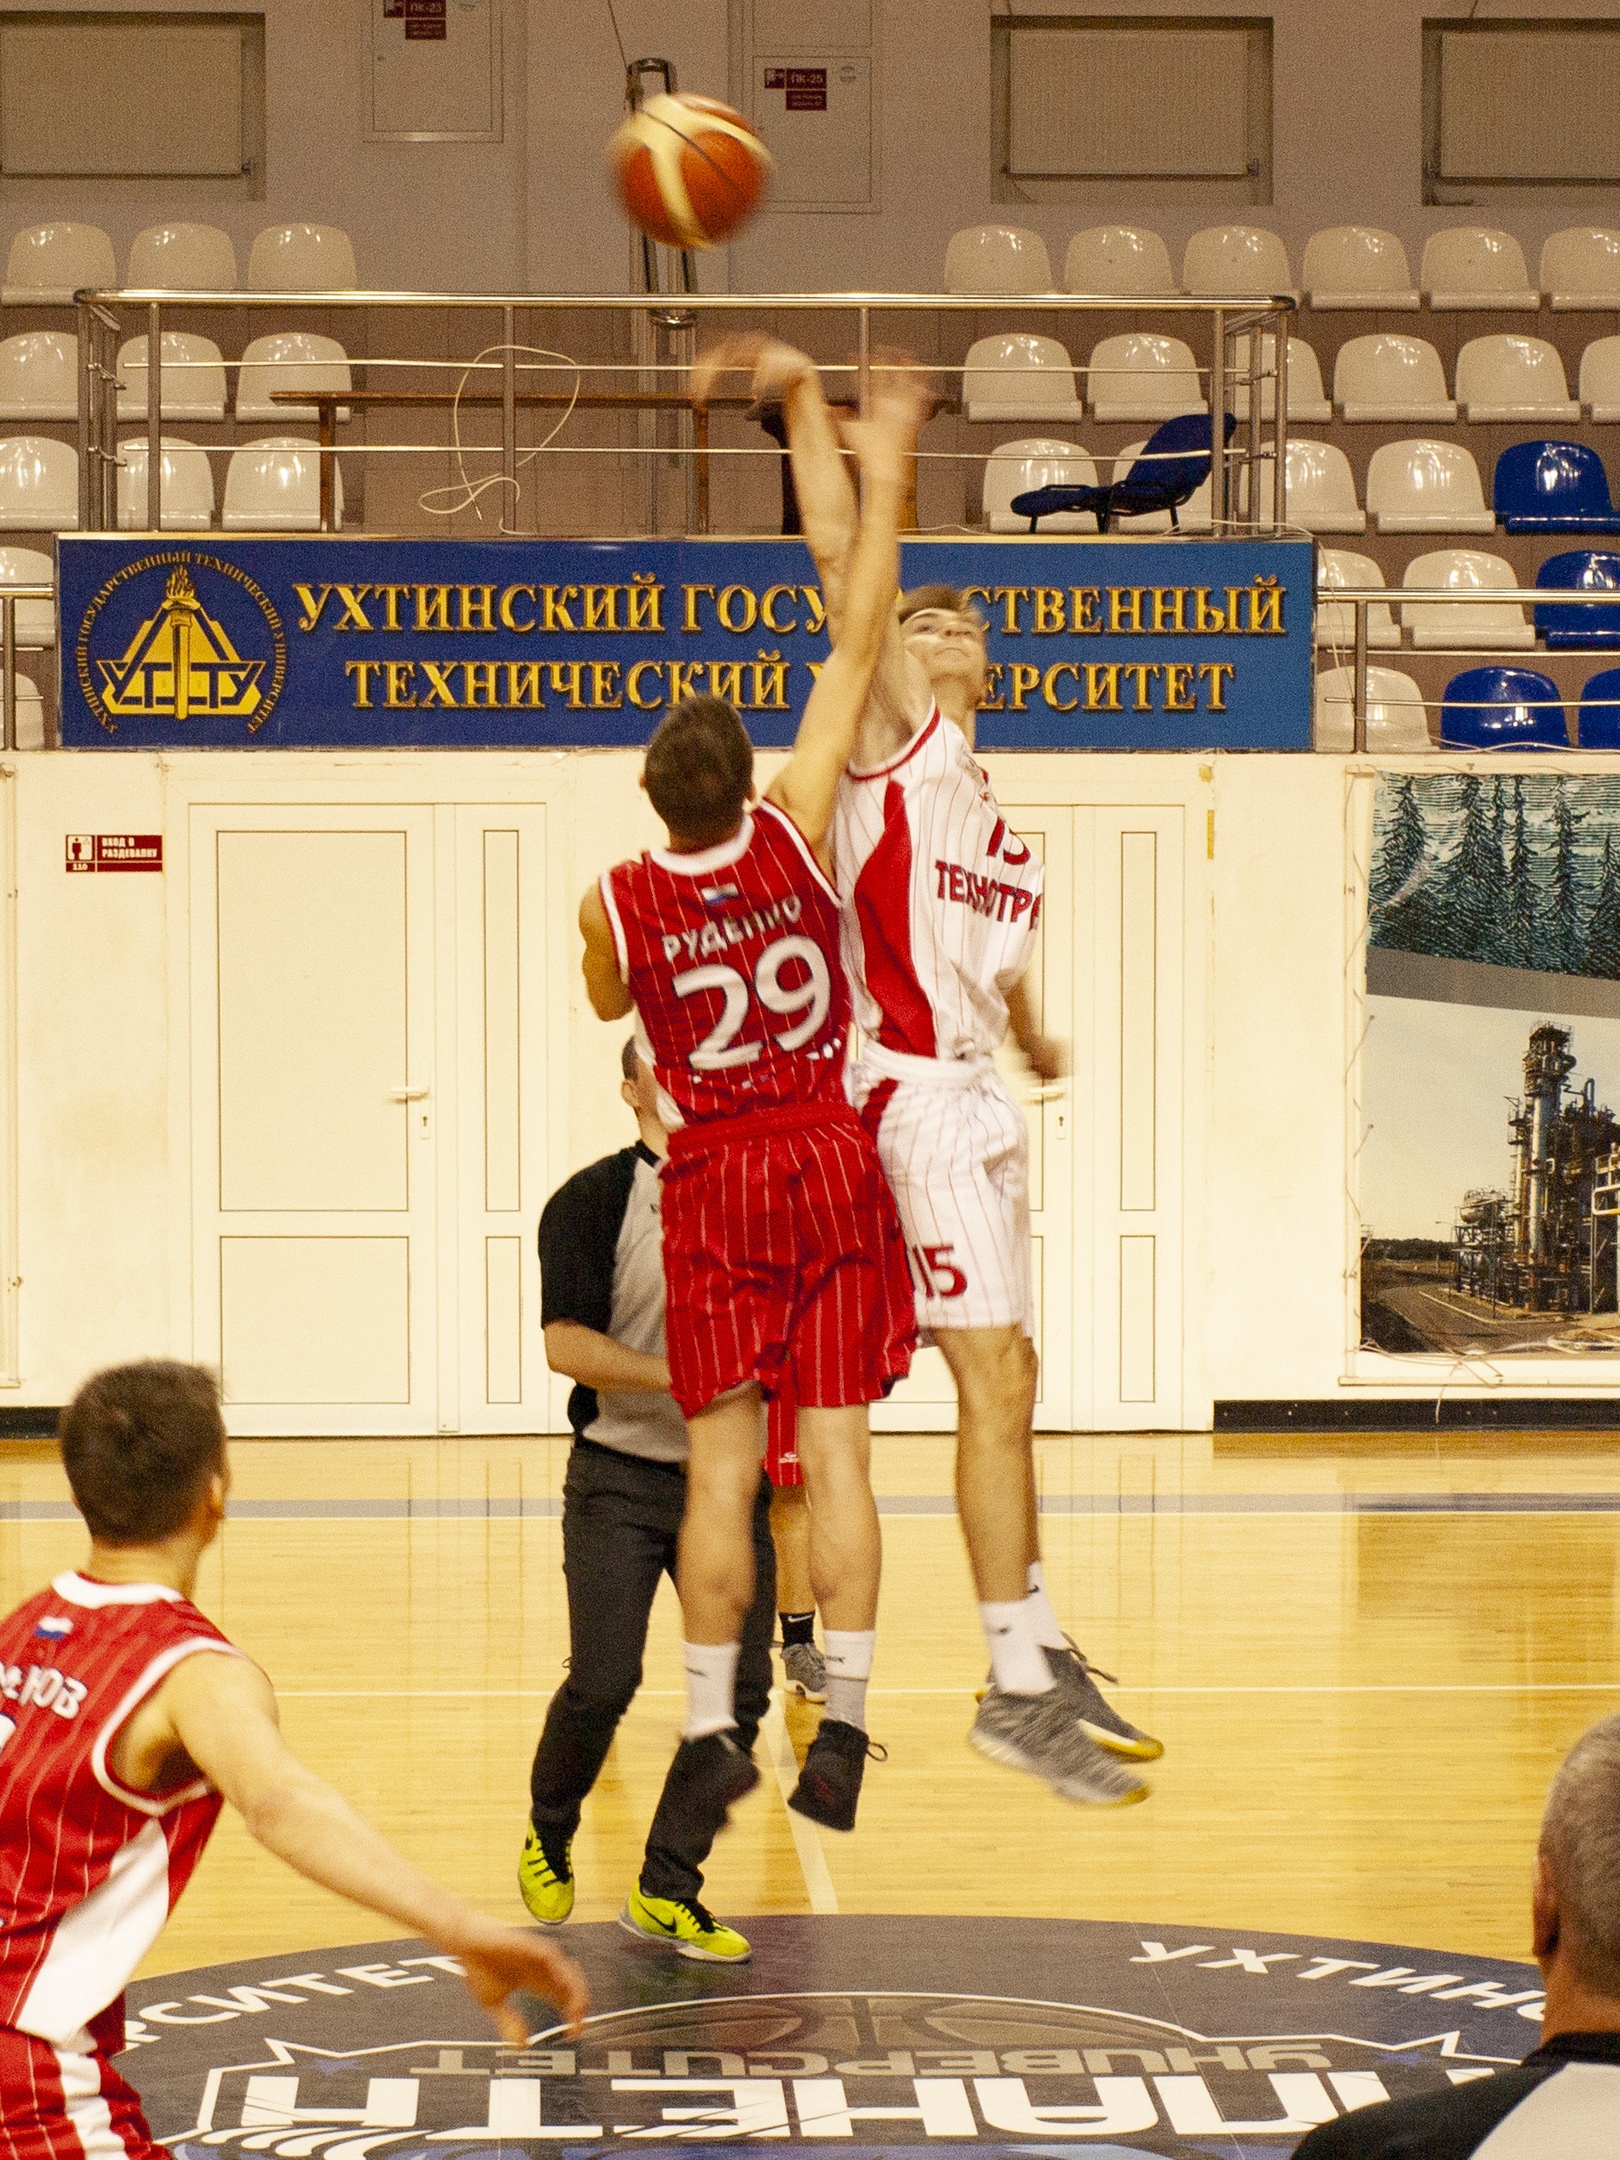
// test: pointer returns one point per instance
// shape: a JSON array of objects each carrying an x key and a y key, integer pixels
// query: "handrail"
[
  {"x": 9, "y": 596},
  {"x": 687, "y": 303}
]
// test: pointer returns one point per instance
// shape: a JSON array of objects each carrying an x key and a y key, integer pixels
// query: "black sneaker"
[
  {"x": 705, "y": 1781},
  {"x": 830, "y": 1783}
]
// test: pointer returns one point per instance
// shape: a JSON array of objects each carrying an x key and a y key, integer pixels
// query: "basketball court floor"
[{"x": 1365, "y": 1657}]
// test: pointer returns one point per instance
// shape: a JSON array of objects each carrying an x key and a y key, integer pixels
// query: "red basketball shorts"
[
  {"x": 58, "y": 2105},
  {"x": 783, "y": 1254}
]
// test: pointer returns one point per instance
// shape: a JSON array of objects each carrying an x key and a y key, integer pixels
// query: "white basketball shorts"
[{"x": 955, "y": 1148}]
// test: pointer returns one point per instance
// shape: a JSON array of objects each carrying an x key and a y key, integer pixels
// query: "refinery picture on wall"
[{"x": 1489, "y": 1168}]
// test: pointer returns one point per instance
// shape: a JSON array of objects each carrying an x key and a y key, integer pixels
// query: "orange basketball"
[{"x": 689, "y": 170}]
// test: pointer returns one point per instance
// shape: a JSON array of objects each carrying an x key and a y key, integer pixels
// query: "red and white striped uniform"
[
  {"x": 781, "y": 1247},
  {"x": 89, "y": 1869},
  {"x": 941, "y": 902}
]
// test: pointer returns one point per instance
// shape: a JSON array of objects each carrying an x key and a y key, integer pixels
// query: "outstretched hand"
[
  {"x": 500, "y": 1962},
  {"x": 885, "y": 435},
  {"x": 773, "y": 368}
]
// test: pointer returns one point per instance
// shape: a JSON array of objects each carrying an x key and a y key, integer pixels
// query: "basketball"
[{"x": 690, "y": 171}]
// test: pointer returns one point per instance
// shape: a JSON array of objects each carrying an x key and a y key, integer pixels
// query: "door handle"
[{"x": 409, "y": 1094}]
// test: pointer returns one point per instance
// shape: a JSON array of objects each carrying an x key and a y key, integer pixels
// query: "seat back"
[
  {"x": 1597, "y": 719},
  {"x": 1550, "y": 480},
  {"x": 302, "y": 258},
  {"x": 1474, "y": 261},
  {"x": 1038, "y": 461},
  {"x": 1122, "y": 259},
  {"x": 182, "y": 258},
  {"x": 1236, "y": 259},
  {"x": 1391, "y": 374},
  {"x": 1355, "y": 259},
  {"x": 1171, "y": 465},
  {"x": 289, "y": 360},
  {"x": 997, "y": 259},
  {"x": 1582, "y": 570},
  {"x": 39, "y": 376},
  {"x": 1321, "y": 487},
  {"x": 186, "y": 498},
  {"x": 275, "y": 484},
  {"x": 39, "y": 484},
  {"x": 1307, "y": 400},
  {"x": 1463, "y": 570},
  {"x": 1411, "y": 478},
  {"x": 1396, "y": 720},
  {"x": 50, "y": 263},
  {"x": 1503, "y": 708},
  {"x": 193, "y": 378},
  {"x": 1600, "y": 378},
  {"x": 1142, "y": 376},
  {"x": 1507, "y": 369},
  {"x": 1016, "y": 376},
  {"x": 36, "y": 619},
  {"x": 1581, "y": 263},
  {"x": 1341, "y": 569}
]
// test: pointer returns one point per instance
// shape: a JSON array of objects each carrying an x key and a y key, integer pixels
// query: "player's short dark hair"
[
  {"x": 629, "y": 1058},
  {"x": 139, "y": 1444},
  {"x": 950, "y": 598},
  {"x": 700, "y": 768}
]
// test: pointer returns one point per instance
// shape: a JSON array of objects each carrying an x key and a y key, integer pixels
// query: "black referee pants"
[{"x": 621, "y": 1520}]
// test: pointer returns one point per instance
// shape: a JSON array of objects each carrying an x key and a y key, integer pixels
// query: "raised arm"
[
  {"x": 222, "y": 1712},
  {"x": 606, "y": 988}
]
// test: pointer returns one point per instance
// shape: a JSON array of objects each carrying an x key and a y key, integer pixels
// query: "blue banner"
[{"x": 322, "y": 642}]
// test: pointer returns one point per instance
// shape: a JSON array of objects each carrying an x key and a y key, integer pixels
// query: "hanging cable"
[{"x": 469, "y": 490}]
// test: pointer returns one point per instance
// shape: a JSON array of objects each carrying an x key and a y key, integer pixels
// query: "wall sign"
[
  {"x": 89, "y": 852},
  {"x": 320, "y": 642}
]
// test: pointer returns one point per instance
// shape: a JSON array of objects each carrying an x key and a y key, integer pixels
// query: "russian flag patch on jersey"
[{"x": 53, "y": 1627}]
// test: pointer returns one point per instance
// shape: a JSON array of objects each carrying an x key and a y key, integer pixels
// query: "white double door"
[
  {"x": 1107, "y": 1149},
  {"x": 369, "y": 1114}
]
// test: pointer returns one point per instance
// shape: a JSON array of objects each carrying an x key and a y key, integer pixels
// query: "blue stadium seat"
[
  {"x": 1597, "y": 723},
  {"x": 1170, "y": 468},
  {"x": 1503, "y": 708},
  {"x": 1553, "y": 487},
  {"x": 1583, "y": 570}
]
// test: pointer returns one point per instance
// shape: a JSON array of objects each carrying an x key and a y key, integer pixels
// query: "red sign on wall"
[
  {"x": 114, "y": 851},
  {"x": 425, "y": 19}
]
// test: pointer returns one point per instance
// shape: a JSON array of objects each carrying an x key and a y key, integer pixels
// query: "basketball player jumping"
[
  {"x": 126, "y": 1719},
  {"x": 782, "y": 1254},
  {"x": 941, "y": 903}
]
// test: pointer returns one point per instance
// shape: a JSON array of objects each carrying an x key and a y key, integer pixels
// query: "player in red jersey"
[
  {"x": 126, "y": 1719},
  {"x": 782, "y": 1253},
  {"x": 941, "y": 903}
]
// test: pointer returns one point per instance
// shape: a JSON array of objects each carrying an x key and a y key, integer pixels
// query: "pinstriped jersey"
[
  {"x": 940, "y": 898},
  {"x": 732, "y": 958},
  {"x": 88, "y": 1868}
]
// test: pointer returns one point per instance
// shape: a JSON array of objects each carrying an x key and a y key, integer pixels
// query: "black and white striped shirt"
[{"x": 1561, "y": 2103}]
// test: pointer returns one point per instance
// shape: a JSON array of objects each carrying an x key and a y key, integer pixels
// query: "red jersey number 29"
[{"x": 811, "y": 997}]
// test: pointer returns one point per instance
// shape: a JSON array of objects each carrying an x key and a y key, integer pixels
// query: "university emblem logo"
[{"x": 208, "y": 645}]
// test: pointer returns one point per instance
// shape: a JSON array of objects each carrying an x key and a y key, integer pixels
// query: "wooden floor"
[{"x": 1365, "y": 1659}]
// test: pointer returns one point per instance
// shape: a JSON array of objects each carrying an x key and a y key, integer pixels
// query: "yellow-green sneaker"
[
  {"x": 690, "y": 1929},
  {"x": 546, "y": 1877}
]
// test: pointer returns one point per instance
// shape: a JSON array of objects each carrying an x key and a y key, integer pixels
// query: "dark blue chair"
[
  {"x": 1583, "y": 570},
  {"x": 1597, "y": 723},
  {"x": 1553, "y": 487},
  {"x": 1503, "y": 708},
  {"x": 1170, "y": 468}
]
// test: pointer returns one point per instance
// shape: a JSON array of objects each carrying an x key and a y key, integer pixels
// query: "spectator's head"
[
  {"x": 639, "y": 1088},
  {"x": 1577, "y": 1895},
  {"x": 144, "y": 1450},
  {"x": 944, "y": 630},
  {"x": 699, "y": 771}
]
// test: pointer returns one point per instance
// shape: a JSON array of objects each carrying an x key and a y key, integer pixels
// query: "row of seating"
[
  {"x": 1488, "y": 708},
  {"x": 1346, "y": 266},
  {"x": 1498, "y": 625},
  {"x": 48, "y": 264},
  {"x": 39, "y": 375},
  {"x": 272, "y": 485},
  {"x": 1145, "y": 375}
]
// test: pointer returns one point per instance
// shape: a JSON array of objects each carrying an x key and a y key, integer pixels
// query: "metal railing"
[
  {"x": 10, "y": 596},
  {"x": 1241, "y": 499}
]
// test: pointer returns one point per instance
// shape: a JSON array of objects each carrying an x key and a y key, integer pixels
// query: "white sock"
[
  {"x": 848, "y": 1652},
  {"x": 1017, "y": 1662},
  {"x": 711, "y": 1678},
  {"x": 1047, "y": 1632}
]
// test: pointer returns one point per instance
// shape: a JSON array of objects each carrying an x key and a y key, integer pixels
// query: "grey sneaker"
[
  {"x": 1039, "y": 1733},
  {"x": 804, "y": 1671},
  {"x": 1097, "y": 1717}
]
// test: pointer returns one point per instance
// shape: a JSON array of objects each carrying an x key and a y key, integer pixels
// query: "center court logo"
[{"x": 180, "y": 635}]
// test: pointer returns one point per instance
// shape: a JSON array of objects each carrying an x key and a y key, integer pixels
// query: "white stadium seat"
[
  {"x": 193, "y": 378},
  {"x": 182, "y": 258},
  {"x": 1143, "y": 376},
  {"x": 1014, "y": 468},
  {"x": 39, "y": 484},
  {"x": 1509, "y": 377},
  {"x": 1390, "y": 377},
  {"x": 302, "y": 258},
  {"x": 36, "y": 619},
  {"x": 1015, "y": 376},
  {"x": 1358, "y": 266},
  {"x": 1236, "y": 259},
  {"x": 39, "y": 376},
  {"x": 1321, "y": 489},
  {"x": 1396, "y": 720},
  {"x": 1473, "y": 266},
  {"x": 1427, "y": 487},
  {"x": 1494, "y": 626},
  {"x": 1580, "y": 268},
  {"x": 48, "y": 264},
  {"x": 274, "y": 485},
  {"x": 997, "y": 259},
  {"x": 1118, "y": 260},
  {"x": 187, "y": 499},
  {"x": 1600, "y": 378},
  {"x": 290, "y": 360},
  {"x": 1338, "y": 569},
  {"x": 1307, "y": 400}
]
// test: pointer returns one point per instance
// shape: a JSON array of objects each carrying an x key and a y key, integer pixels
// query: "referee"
[{"x": 602, "y": 1310}]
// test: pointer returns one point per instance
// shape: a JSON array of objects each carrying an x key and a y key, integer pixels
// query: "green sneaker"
[
  {"x": 690, "y": 1929},
  {"x": 546, "y": 1877}
]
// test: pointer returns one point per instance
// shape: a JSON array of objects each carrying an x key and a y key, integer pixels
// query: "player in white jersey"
[{"x": 941, "y": 907}]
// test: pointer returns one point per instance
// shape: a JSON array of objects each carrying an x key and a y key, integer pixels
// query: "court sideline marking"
[{"x": 818, "y": 1880}]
